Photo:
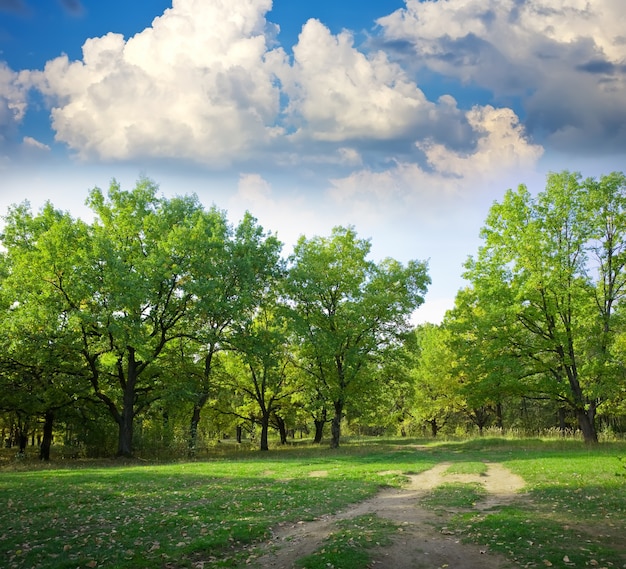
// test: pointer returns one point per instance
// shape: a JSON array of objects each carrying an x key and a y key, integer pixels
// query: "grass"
[
  {"x": 454, "y": 495},
  {"x": 348, "y": 547},
  {"x": 173, "y": 516}
]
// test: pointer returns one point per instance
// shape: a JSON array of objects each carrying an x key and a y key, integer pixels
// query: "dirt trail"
[{"x": 417, "y": 545}]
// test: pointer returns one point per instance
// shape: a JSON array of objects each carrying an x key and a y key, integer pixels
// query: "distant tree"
[
  {"x": 346, "y": 311},
  {"x": 261, "y": 366},
  {"x": 437, "y": 387}
]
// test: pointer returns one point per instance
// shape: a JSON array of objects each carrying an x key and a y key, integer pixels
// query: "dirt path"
[{"x": 417, "y": 545}]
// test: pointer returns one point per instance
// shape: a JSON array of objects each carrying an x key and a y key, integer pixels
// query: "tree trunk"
[
  {"x": 239, "y": 433},
  {"x": 434, "y": 428},
  {"x": 586, "y": 418},
  {"x": 499, "y": 419},
  {"x": 195, "y": 421},
  {"x": 125, "y": 439},
  {"x": 282, "y": 429},
  {"x": 587, "y": 425},
  {"x": 265, "y": 427},
  {"x": 335, "y": 425},
  {"x": 23, "y": 441},
  {"x": 200, "y": 402},
  {"x": 46, "y": 442},
  {"x": 319, "y": 427}
]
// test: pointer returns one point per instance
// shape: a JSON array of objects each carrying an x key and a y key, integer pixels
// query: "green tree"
[
  {"x": 233, "y": 270},
  {"x": 39, "y": 365},
  {"x": 535, "y": 274},
  {"x": 261, "y": 369},
  {"x": 346, "y": 311},
  {"x": 437, "y": 388}
]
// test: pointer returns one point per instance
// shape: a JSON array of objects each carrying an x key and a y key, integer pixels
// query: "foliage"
[
  {"x": 347, "y": 310},
  {"x": 545, "y": 288}
]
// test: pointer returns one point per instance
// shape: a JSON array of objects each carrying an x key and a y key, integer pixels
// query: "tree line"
[
  {"x": 160, "y": 306},
  {"x": 161, "y": 321}
]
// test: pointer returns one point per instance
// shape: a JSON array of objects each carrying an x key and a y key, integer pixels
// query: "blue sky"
[{"x": 404, "y": 118}]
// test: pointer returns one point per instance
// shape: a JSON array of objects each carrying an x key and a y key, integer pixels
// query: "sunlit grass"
[
  {"x": 130, "y": 516},
  {"x": 454, "y": 495}
]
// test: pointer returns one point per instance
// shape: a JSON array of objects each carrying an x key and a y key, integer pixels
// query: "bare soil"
[{"x": 417, "y": 544}]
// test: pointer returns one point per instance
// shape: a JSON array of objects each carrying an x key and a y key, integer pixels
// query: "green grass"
[
  {"x": 348, "y": 547},
  {"x": 150, "y": 515},
  {"x": 454, "y": 495},
  {"x": 129, "y": 516}
]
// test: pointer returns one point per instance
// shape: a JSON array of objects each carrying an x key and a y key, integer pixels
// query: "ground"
[{"x": 418, "y": 544}]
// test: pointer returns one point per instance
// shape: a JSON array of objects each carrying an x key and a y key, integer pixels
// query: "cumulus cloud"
[
  {"x": 13, "y": 102},
  {"x": 194, "y": 85},
  {"x": 565, "y": 59},
  {"x": 206, "y": 83},
  {"x": 338, "y": 93},
  {"x": 502, "y": 148}
]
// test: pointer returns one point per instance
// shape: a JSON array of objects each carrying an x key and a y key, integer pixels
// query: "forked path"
[{"x": 417, "y": 544}]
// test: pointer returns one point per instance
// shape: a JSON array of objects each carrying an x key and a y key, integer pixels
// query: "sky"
[{"x": 406, "y": 119}]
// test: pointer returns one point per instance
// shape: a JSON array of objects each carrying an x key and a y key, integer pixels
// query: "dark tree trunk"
[
  {"x": 282, "y": 429},
  {"x": 127, "y": 416},
  {"x": 239, "y": 433},
  {"x": 23, "y": 441},
  {"x": 586, "y": 422},
  {"x": 499, "y": 420},
  {"x": 586, "y": 418},
  {"x": 203, "y": 397},
  {"x": 335, "y": 425},
  {"x": 195, "y": 421},
  {"x": 319, "y": 427},
  {"x": 265, "y": 427},
  {"x": 434, "y": 428},
  {"x": 46, "y": 442}
]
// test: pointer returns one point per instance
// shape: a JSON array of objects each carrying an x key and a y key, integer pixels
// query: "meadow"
[{"x": 212, "y": 512}]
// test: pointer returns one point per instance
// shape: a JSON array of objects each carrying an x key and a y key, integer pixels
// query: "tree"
[
  {"x": 233, "y": 270},
  {"x": 346, "y": 310},
  {"x": 261, "y": 368},
  {"x": 437, "y": 387},
  {"x": 536, "y": 274},
  {"x": 122, "y": 284},
  {"x": 39, "y": 366}
]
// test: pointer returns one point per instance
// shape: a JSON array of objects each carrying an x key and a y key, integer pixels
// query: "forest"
[{"x": 160, "y": 328}]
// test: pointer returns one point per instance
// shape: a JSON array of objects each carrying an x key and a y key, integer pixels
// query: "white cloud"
[
  {"x": 13, "y": 101},
  {"x": 338, "y": 93},
  {"x": 31, "y": 143},
  {"x": 502, "y": 149},
  {"x": 566, "y": 59},
  {"x": 254, "y": 190},
  {"x": 194, "y": 85}
]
